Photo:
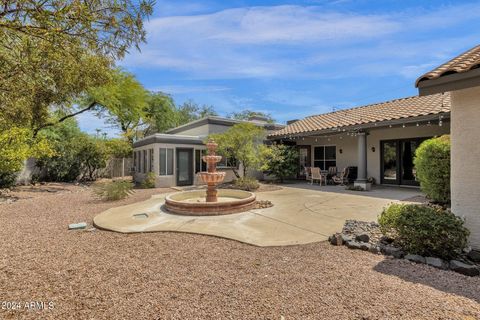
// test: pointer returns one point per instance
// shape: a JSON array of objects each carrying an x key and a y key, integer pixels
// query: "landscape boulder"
[
  {"x": 389, "y": 250},
  {"x": 415, "y": 258},
  {"x": 436, "y": 263},
  {"x": 474, "y": 255},
  {"x": 463, "y": 268},
  {"x": 362, "y": 237}
]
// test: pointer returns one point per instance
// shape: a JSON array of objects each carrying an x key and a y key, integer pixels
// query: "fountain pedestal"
[
  {"x": 216, "y": 202},
  {"x": 212, "y": 178}
]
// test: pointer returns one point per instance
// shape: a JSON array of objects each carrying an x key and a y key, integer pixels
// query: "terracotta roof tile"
[
  {"x": 463, "y": 63},
  {"x": 391, "y": 110}
]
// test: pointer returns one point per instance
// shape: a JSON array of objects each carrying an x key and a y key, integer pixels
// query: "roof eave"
[
  {"x": 451, "y": 82},
  {"x": 365, "y": 126}
]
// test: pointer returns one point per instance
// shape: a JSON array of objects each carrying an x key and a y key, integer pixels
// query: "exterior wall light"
[
  {"x": 340, "y": 150},
  {"x": 373, "y": 149}
]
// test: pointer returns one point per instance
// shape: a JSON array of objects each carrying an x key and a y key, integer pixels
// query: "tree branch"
[{"x": 50, "y": 124}]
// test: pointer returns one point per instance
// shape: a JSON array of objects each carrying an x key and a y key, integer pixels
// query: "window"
[
  {"x": 139, "y": 161},
  {"x": 166, "y": 162},
  {"x": 325, "y": 157},
  {"x": 227, "y": 163},
  {"x": 150, "y": 160},
  {"x": 135, "y": 161},
  {"x": 200, "y": 165},
  {"x": 144, "y": 164}
]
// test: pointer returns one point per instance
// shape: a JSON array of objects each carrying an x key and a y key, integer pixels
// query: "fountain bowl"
[{"x": 193, "y": 203}]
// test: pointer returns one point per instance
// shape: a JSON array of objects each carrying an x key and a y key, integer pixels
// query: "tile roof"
[
  {"x": 465, "y": 62},
  {"x": 391, "y": 110}
]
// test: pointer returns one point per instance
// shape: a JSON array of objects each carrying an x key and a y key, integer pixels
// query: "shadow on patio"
[
  {"x": 445, "y": 281},
  {"x": 378, "y": 191}
]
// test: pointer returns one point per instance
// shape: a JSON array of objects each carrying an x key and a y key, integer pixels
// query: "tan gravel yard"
[{"x": 106, "y": 275}]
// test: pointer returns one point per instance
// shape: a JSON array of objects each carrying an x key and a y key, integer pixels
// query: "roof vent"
[{"x": 291, "y": 121}]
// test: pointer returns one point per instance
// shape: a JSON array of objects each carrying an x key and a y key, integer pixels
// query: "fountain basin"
[{"x": 193, "y": 203}]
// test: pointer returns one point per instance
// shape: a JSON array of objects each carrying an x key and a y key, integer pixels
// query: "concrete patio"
[{"x": 301, "y": 214}]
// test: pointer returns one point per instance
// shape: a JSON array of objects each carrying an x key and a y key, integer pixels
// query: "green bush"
[
  {"x": 432, "y": 162},
  {"x": 115, "y": 190},
  {"x": 280, "y": 160},
  {"x": 16, "y": 146},
  {"x": 246, "y": 183},
  {"x": 424, "y": 230},
  {"x": 77, "y": 155},
  {"x": 149, "y": 181}
]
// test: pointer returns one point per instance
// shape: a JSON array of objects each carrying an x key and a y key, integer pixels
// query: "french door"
[
  {"x": 303, "y": 160},
  {"x": 184, "y": 167},
  {"x": 397, "y": 157}
]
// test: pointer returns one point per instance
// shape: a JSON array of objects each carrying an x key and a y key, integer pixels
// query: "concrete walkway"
[{"x": 301, "y": 214}]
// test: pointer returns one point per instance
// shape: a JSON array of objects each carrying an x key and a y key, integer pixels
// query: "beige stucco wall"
[
  {"x": 349, "y": 144},
  {"x": 465, "y": 174}
]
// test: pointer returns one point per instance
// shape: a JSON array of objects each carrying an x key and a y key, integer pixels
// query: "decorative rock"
[
  {"x": 386, "y": 240},
  {"x": 365, "y": 246},
  {"x": 415, "y": 258},
  {"x": 77, "y": 226},
  {"x": 363, "y": 237},
  {"x": 374, "y": 249},
  {"x": 474, "y": 255},
  {"x": 463, "y": 268},
  {"x": 392, "y": 251},
  {"x": 346, "y": 238},
  {"x": 354, "y": 245},
  {"x": 436, "y": 263},
  {"x": 336, "y": 239}
]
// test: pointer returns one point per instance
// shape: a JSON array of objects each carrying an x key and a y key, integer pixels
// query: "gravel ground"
[{"x": 106, "y": 275}]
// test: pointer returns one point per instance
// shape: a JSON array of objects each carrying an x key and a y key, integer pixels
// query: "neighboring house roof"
[
  {"x": 406, "y": 108},
  {"x": 168, "y": 138},
  {"x": 222, "y": 121},
  {"x": 465, "y": 62}
]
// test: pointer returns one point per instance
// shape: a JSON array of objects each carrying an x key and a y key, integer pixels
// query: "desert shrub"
[
  {"x": 280, "y": 160},
  {"x": 246, "y": 183},
  {"x": 432, "y": 162},
  {"x": 424, "y": 230},
  {"x": 114, "y": 190},
  {"x": 149, "y": 181},
  {"x": 16, "y": 146},
  {"x": 77, "y": 155}
]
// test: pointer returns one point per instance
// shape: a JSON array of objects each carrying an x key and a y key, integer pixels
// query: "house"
[
  {"x": 461, "y": 77},
  {"x": 176, "y": 156},
  {"x": 377, "y": 140}
]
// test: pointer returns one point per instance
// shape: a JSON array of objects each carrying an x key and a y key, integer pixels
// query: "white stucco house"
[
  {"x": 375, "y": 141},
  {"x": 176, "y": 156},
  {"x": 461, "y": 77}
]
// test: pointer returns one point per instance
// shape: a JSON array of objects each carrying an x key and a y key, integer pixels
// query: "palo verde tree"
[
  {"x": 247, "y": 114},
  {"x": 52, "y": 51},
  {"x": 244, "y": 143}
]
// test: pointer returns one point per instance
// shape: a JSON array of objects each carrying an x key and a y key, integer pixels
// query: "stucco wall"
[
  {"x": 465, "y": 159},
  {"x": 349, "y": 144}
]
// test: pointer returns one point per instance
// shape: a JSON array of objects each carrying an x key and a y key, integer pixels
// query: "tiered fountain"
[{"x": 215, "y": 202}]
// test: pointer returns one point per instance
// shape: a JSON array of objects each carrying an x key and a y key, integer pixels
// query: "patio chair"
[
  {"x": 342, "y": 179},
  {"x": 316, "y": 175},
  {"x": 308, "y": 173},
  {"x": 332, "y": 171}
]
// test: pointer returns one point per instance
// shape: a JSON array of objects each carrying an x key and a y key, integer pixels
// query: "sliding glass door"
[{"x": 397, "y": 161}]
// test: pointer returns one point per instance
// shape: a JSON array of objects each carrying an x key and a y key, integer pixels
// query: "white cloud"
[{"x": 182, "y": 89}]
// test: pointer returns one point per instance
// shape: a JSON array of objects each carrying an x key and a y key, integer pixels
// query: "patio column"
[{"x": 362, "y": 162}]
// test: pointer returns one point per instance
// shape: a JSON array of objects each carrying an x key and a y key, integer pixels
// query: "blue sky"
[{"x": 296, "y": 58}]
